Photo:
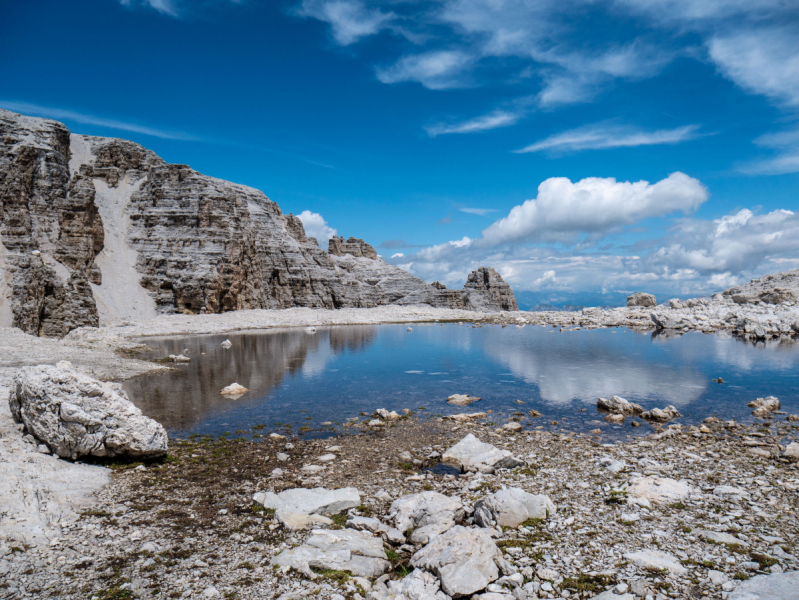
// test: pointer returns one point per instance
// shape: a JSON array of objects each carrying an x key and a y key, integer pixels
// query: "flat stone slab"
[
  {"x": 310, "y": 501},
  {"x": 655, "y": 559},
  {"x": 297, "y": 521},
  {"x": 462, "y": 559},
  {"x": 777, "y": 586},
  {"x": 657, "y": 490},
  {"x": 720, "y": 537},
  {"x": 358, "y": 552},
  {"x": 471, "y": 453},
  {"x": 510, "y": 507}
]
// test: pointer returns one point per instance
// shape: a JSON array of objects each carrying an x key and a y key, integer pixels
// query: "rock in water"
[
  {"x": 620, "y": 406},
  {"x": 764, "y": 406},
  {"x": 462, "y": 558},
  {"x": 106, "y": 231},
  {"x": 77, "y": 415},
  {"x": 234, "y": 389},
  {"x": 661, "y": 415},
  {"x": 641, "y": 299},
  {"x": 462, "y": 399},
  {"x": 472, "y": 454}
]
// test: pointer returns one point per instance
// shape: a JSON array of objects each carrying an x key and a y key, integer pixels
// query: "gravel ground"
[{"x": 187, "y": 526}]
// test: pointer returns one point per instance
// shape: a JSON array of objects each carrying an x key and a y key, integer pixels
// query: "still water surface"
[{"x": 299, "y": 379}]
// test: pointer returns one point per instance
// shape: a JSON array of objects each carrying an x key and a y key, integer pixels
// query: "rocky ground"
[
  {"x": 678, "y": 514},
  {"x": 49, "y": 549}
]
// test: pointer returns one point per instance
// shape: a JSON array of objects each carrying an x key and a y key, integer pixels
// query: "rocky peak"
[
  {"x": 96, "y": 231},
  {"x": 485, "y": 287},
  {"x": 353, "y": 246}
]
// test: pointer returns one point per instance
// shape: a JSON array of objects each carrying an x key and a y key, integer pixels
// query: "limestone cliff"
[{"x": 101, "y": 230}]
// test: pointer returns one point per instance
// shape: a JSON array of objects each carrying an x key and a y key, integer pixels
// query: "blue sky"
[{"x": 578, "y": 146}]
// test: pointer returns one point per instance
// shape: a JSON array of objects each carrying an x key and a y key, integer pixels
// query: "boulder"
[
  {"x": 661, "y": 415},
  {"x": 428, "y": 513},
  {"x": 664, "y": 322},
  {"x": 777, "y": 586},
  {"x": 792, "y": 452},
  {"x": 234, "y": 389},
  {"x": 318, "y": 501},
  {"x": 419, "y": 585},
  {"x": 382, "y": 413},
  {"x": 641, "y": 299},
  {"x": 474, "y": 455},
  {"x": 77, "y": 415},
  {"x": 510, "y": 507},
  {"x": 462, "y": 399},
  {"x": 620, "y": 406},
  {"x": 657, "y": 490},
  {"x": 614, "y": 419},
  {"x": 655, "y": 559},
  {"x": 358, "y": 552},
  {"x": 764, "y": 406},
  {"x": 367, "y": 524},
  {"x": 463, "y": 559}
]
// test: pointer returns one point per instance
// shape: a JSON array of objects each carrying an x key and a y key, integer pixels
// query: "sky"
[{"x": 585, "y": 149}]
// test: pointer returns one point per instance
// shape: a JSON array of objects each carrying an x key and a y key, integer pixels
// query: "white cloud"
[
  {"x": 602, "y": 135},
  {"x": 563, "y": 210},
  {"x": 762, "y": 61},
  {"x": 493, "y": 120},
  {"x": 483, "y": 212},
  {"x": 398, "y": 255},
  {"x": 435, "y": 70},
  {"x": 349, "y": 20},
  {"x": 62, "y": 114},
  {"x": 316, "y": 226}
]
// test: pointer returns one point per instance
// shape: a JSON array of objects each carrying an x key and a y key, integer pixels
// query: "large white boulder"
[
  {"x": 462, "y": 559},
  {"x": 473, "y": 455},
  {"x": 358, "y": 552},
  {"x": 419, "y": 585},
  {"x": 510, "y": 507},
  {"x": 77, "y": 415},
  {"x": 619, "y": 406},
  {"x": 428, "y": 513},
  {"x": 777, "y": 586},
  {"x": 319, "y": 501}
]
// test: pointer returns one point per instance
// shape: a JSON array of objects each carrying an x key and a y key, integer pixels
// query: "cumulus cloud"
[
  {"x": 316, "y": 226},
  {"x": 603, "y": 135},
  {"x": 349, "y": 20},
  {"x": 563, "y": 210}
]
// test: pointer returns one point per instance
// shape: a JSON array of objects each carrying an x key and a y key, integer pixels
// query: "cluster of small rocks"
[{"x": 397, "y": 512}]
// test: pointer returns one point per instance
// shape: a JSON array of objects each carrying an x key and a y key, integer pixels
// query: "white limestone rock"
[
  {"x": 472, "y": 454},
  {"x": 510, "y": 507},
  {"x": 658, "y": 490},
  {"x": 462, "y": 399},
  {"x": 358, "y": 552},
  {"x": 318, "y": 501},
  {"x": 463, "y": 559},
  {"x": 719, "y": 537},
  {"x": 77, "y": 415},
  {"x": 297, "y": 521},
  {"x": 661, "y": 415},
  {"x": 777, "y": 586},
  {"x": 428, "y": 513},
  {"x": 620, "y": 406},
  {"x": 641, "y": 299},
  {"x": 655, "y": 559},
  {"x": 419, "y": 585}
]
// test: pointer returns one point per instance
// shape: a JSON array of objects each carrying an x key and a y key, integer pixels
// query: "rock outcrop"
[
  {"x": 101, "y": 230},
  {"x": 77, "y": 415},
  {"x": 641, "y": 299}
]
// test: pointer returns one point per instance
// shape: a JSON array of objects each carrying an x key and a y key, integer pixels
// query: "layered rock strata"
[{"x": 100, "y": 230}]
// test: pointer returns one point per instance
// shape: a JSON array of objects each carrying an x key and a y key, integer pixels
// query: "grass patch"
[
  {"x": 740, "y": 576},
  {"x": 763, "y": 560},
  {"x": 339, "y": 577},
  {"x": 587, "y": 583},
  {"x": 340, "y": 519}
]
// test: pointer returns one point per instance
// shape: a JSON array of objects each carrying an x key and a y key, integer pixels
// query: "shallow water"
[{"x": 302, "y": 380}]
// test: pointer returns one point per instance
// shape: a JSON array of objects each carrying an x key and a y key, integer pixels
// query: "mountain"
[{"x": 97, "y": 231}]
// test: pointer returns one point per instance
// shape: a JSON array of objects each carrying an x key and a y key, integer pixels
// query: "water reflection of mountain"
[{"x": 259, "y": 362}]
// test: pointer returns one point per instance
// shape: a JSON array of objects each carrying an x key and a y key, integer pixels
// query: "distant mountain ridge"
[{"x": 101, "y": 230}]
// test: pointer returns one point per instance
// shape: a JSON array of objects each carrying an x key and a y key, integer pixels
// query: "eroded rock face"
[
  {"x": 100, "y": 230},
  {"x": 641, "y": 299},
  {"x": 428, "y": 513},
  {"x": 510, "y": 507},
  {"x": 77, "y": 415}
]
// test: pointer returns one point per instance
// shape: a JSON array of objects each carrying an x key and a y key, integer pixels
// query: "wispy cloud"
[
  {"x": 786, "y": 144},
  {"x": 493, "y": 120},
  {"x": 165, "y": 7},
  {"x": 437, "y": 70},
  {"x": 602, "y": 135},
  {"x": 478, "y": 211},
  {"x": 50, "y": 112},
  {"x": 349, "y": 20}
]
